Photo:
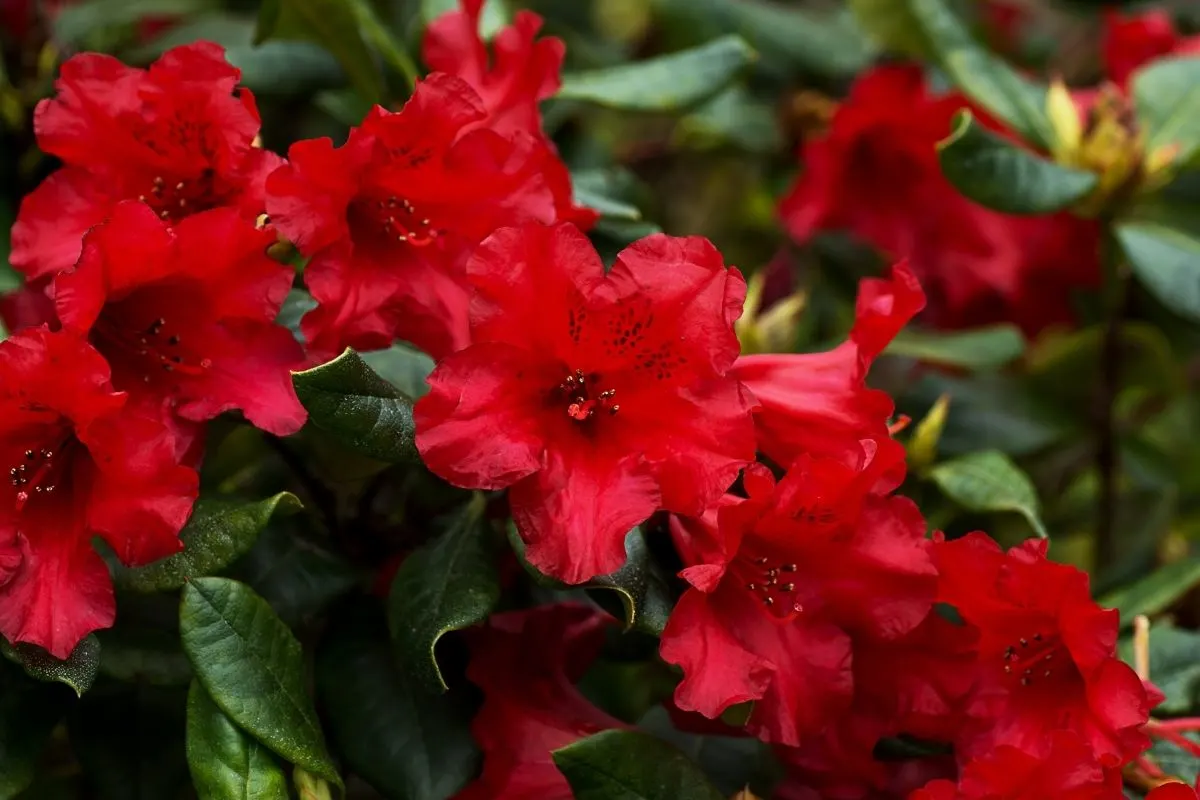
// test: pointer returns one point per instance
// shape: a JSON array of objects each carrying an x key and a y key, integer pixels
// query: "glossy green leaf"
[
  {"x": 605, "y": 191},
  {"x": 1174, "y": 666},
  {"x": 640, "y": 586},
  {"x": 219, "y": 532},
  {"x": 1167, "y": 96},
  {"x": 630, "y": 765},
  {"x": 333, "y": 24},
  {"x": 1156, "y": 592},
  {"x": 667, "y": 83},
  {"x": 348, "y": 400},
  {"x": 403, "y": 366},
  {"x": 493, "y": 16},
  {"x": 735, "y": 118},
  {"x": 449, "y": 584},
  {"x": 990, "y": 481},
  {"x": 402, "y": 739},
  {"x": 983, "y": 348},
  {"x": 226, "y": 762},
  {"x": 29, "y": 711},
  {"x": 1004, "y": 176},
  {"x": 1166, "y": 259},
  {"x": 78, "y": 670},
  {"x": 251, "y": 665}
]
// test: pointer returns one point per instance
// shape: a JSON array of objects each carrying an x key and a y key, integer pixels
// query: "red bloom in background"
[
  {"x": 815, "y": 403},
  {"x": 390, "y": 217},
  {"x": 527, "y": 664},
  {"x": 79, "y": 465},
  {"x": 784, "y": 580},
  {"x": 599, "y": 398},
  {"x": 1068, "y": 771},
  {"x": 1132, "y": 41},
  {"x": 1173, "y": 791},
  {"x": 186, "y": 315},
  {"x": 177, "y": 136},
  {"x": 1046, "y": 652},
  {"x": 876, "y": 174}
]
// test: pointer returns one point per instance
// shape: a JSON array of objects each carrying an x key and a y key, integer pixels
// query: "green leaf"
[
  {"x": 990, "y": 481},
  {"x": 1156, "y": 592},
  {"x": 640, "y": 585},
  {"x": 333, "y": 24},
  {"x": 251, "y": 665},
  {"x": 143, "y": 655},
  {"x": 78, "y": 670},
  {"x": 494, "y": 15},
  {"x": 403, "y": 740},
  {"x": 29, "y": 711},
  {"x": 225, "y": 762},
  {"x": 1004, "y": 176},
  {"x": 1174, "y": 666},
  {"x": 1167, "y": 96},
  {"x": 668, "y": 83},
  {"x": 74, "y": 23},
  {"x": 286, "y": 69},
  {"x": 403, "y": 366},
  {"x": 893, "y": 25},
  {"x": 630, "y": 765},
  {"x": 985, "y": 348},
  {"x": 348, "y": 400},
  {"x": 219, "y": 532},
  {"x": 1166, "y": 259},
  {"x": 449, "y": 584},
  {"x": 734, "y": 118},
  {"x": 605, "y": 191}
]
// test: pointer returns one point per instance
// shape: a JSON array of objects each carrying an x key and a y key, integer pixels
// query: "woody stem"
[{"x": 1116, "y": 280}]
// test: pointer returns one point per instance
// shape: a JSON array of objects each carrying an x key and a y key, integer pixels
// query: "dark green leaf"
[
  {"x": 225, "y": 762},
  {"x": 449, "y": 584},
  {"x": 990, "y": 481},
  {"x": 1166, "y": 259},
  {"x": 403, "y": 366},
  {"x": 667, "y": 83},
  {"x": 605, "y": 191},
  {"x": 1174, "y": 666},
  {"x": 1167, "y": 96},
  {"x": 251, "y": 665},
  {"x": 405, "y": 741},
  {"x": 492, "y": 18},
  {"x": 219, "y": 532},
  {"x": 1156, "y": 592},
  {"x": 630, "y": 765},
  {"x": 978, "y": 348},
  {"x": 75, "y": 22},
  {"x": 333, "y": 24},
  {"x": 29, "y": 711},
  {"x": 734, "y": 118},
  {"x": 346, "y": 399},
  {"x": 286, "y": 68},
  {"x": 1004, "y": 176},
  {"x": 641, "y": 587},
  {"x": 78, "y": 670},
  {"x": 143, "y": 655}
]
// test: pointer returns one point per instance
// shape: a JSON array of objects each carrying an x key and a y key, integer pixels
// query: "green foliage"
[
  {"x": 226, "y": 762},
  {"x": 989, "y": 481},
  {"x": 1167, "y": 96},
  {"x": 78, "y": 670},
  {"x": 628, "y": 765}
]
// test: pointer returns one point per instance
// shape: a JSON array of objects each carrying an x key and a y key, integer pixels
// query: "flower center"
[
  {"x": 155, "y": 347},
  {"x": 581, "y": 404},
  {"x": 398, "y": 220},
  {"x": 773, "y": 583},
  {"x": 174, "y": 200},
  {"x": 1036, "y": 659},
  {"x": 39, "y": 471}
]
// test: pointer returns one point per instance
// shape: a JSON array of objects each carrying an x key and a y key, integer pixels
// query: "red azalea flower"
[
  {"x": 527, "y": 664},
  {"x": 28, "y": 306},
  {"x": 177, "y": 136},
  {"x": 1046, "y": 652},
  {"x": 1174, "y": 791},
  {"x": 977, "y": 265},
  {"x": 521, "y": 71},
  {"x": 390, "y": 217},
  {"x": 185, "y": 315},
  {"x": 1068, "y": 771},
  {"x": 1133, "y": 41},
  {"x": 79, "y": 465},
  {"x": 782, "y": 582},
  {"x": 814, "y": 403},
  {"x": 599, "y": 398}
]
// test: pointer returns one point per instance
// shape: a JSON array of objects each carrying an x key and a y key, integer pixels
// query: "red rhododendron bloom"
[
  {"x": 177, "y": 136},
  {"x": 390, "y": 217},
  {"x": 977, "y": 265},
  {"x": 816, "y": 402},
  {"x": 1068, "y": 771},
  {"x": 784, "y": 580},
  {"x": 1046, "y": 652},
  {"x": 186, "y": 315},
  {"x": 599, "y": 398},
  {"x": 79, "y": 465},
  {"x": 527, "y": 664},
  {"x": 1174, "y": 791},
  {"x": 1132, "y": 41}
]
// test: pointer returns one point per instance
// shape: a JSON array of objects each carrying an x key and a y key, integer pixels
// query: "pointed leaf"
[
  {"x": 449, "y": 584},
  {"x": 1004, "y": 176},
  {"x": 989, "y": 481},
  {"x": 630, "y": 765},
  {"x": 334, "y": 25},
  {"x": 983, "y": 348},
  {"x": 219, "y": 532},
  {"x": 251, "y": 666},
  {"x": 143, "y": 655},
  {"x": 1156, "y": 592},
  {"x": 1166, "y": 259},
  {"x": 78, "y": 670},
  {"x": 226, "y": 762},
  {"x": 1167, "y": 96},
  {"x": 640, "y": 585},
  {"x": 348, "y": 400},
  {"x": 668, "y": 83}
]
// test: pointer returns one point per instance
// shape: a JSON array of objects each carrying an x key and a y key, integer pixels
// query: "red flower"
[
  {"x": 28, "y": 306},
  {"x": 782, "y": 582},
  {"x": 599, "y": 398},
  {"x": 526, "y": 663},
  {"x": 815, "y": 403},
  {"x": 390, "y": 217},
  {"x": 79, "y": 465},
  {"x": 1068, "y": 771},
  {"x": 1046, "y": 653},
  {"x": 1134, "y": 41},
  {"x": 522, "y": 71},
  {"x": 1174, "y": 791},
  {"x": 977, "y": 265},
  {"x": 177, "y": 136},
  {"x": 185, "y": 315}
]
